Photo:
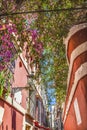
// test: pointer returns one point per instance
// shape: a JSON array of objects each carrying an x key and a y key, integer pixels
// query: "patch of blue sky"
[{"x": 51, "y": 96}]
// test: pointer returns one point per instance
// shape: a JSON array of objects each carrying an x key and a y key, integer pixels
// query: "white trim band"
[
  {"x": 15, "y": 104},
  {"x": 79, "y": 50},
  {"x": 81, "y": 72},
  {"x": 72, "y": 31},
  {"x": 2, "y": 110},
  {"x": 24, "y": 62},
  {"x": 77, "y": 112}
]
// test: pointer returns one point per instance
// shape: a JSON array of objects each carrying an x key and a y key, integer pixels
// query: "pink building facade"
[{"x": 20, "y": 110}]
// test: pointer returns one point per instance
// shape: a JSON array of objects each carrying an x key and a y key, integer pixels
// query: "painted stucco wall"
[
  {"x": 20, "y": 80},
  {"x": 75, "y": 112},
  {"x": 12, "y": 119},
  {"x": 20, "y": 74}
]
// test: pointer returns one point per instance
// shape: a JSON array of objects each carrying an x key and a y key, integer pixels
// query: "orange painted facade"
[{"x": 75, "y": 111}]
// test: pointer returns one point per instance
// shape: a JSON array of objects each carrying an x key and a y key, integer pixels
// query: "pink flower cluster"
[
  {"x": 7, "y": 50},
  {"x": 38, "y": 46},
  {"x": 7, "y": 47}
]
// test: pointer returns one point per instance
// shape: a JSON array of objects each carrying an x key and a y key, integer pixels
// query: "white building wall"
[{"x": 53, "y": 116}]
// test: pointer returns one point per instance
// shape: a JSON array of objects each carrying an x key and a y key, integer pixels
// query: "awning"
[{"x": 36, "y": 123}]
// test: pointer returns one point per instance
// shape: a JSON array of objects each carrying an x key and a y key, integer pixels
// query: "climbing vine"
[{"x": 44, "y": 34}]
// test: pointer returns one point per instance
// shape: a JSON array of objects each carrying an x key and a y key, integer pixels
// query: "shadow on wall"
[{"x": 13, "y": 120}]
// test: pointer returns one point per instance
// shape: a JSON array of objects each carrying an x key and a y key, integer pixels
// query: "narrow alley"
[{"x": 43, "y": 65}]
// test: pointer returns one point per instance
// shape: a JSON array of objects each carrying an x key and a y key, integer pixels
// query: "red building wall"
[
  {"x": 75, "y": 112},
  {"x": 12, "y": 119}
]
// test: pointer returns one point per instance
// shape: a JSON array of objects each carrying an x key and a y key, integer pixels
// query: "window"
[{"x": 20, "y": 64}]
